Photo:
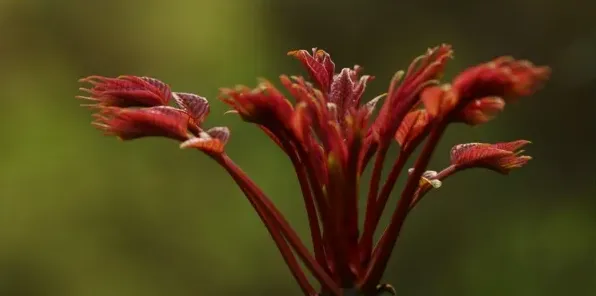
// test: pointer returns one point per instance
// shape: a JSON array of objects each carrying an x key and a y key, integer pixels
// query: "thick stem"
[
  {"x": 379, "y": 261},
  {"x": 282, "y": 245},
  {"x": 313, "y": 220},
  {"x": 379, "y": 206},
  {"x": 370, "y": 147},
  {"x": 305, "y": 187},
  {"x": 351, "y": 186},
  {"x": 335, "y": 193},
  {"x": 396, "y": 170},
  {"x": 400, "y": 100},
  {"x": 269, "y": 209},
  {"x": 316, "y": 185},
  {"x": 369, "y": 216}
]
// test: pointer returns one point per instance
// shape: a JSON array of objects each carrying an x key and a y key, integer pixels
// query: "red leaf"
[
  {"x": 319, "y": 65},
  {"x": 481, "y": 110},
  {"x": 411, "y": 127},
  {"x": 196, "y": 106},
  {"x": 500, "y": 157},
  {"x": 264, "y": 105},
  {"x": 502, "y": 77},
  {"x": 438, "y": 100},
  {"x": 208, "y": 145},
  {"x": 129, "y": 124},
  {"x": 402, "y": 97},
  {"x": 127, "y": 91},
  {"x": 220, "y": 133}
]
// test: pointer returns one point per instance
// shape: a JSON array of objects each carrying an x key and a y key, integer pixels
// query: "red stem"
[
  {"x": 369, "y": 216},
  {"x": 370, "y": 147},
  {"x": 442, "y": 175},
  {"x": 396, "y": 170},
  {"x": 336, "y": 195},
  {"x": 402, "y": 99},
  {"x": 351, "y": 195},
  {"x": 420, "y": 193},
  {"x": 269, "y": 210},
  {"x": 379, "y": 261},
  {"x": 379, "y": 206},
  {"x": 320, "y": 198},
  {"x": 313, "y": 221},
  {"x": 282, "y": 245},
  {"x": 310, "y": 185}
]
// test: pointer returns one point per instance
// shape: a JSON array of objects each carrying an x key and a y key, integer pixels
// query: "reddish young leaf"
[
  {"x": 221, "y": 133},
  {"x": 402, "y": 97},
  {"x": 481, "y": 110},
  {"x": 196, "y": 106},
  {"x": 129, "y": 124},
  {"x": 411, "y": 127},
  {"x": 439, "y": 100},
  {"x": 126, "y": 91},
  {"x": 264, "y": 105},
  {"x": 347, "y": 89},
  {"x": 319, "y": 65},
  {"x": 207, "y": 145},
  {"x": 511, "y": 146},
  {"x": 500, "y": 157},
  {"x": 503, "y": 77}
]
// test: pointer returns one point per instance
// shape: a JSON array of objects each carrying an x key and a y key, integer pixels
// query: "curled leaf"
[
  {"x": 412, "y": 127},
  {"x": 126, "y": 91},
  {"x": 207, "y": 145},
  {"x": 128, "y": 124},
  {"x": 500, "y": 157},
  {"x": 196, "y": 106},
  {"x": 221, "y": 133},
  {"x": 481, "y": 110},
  {"x": 503, "y": 77},
  {"x": 264, "y": 105},
  {"x": 439, "y": 100},
  {"x": 318, "y": 64}
]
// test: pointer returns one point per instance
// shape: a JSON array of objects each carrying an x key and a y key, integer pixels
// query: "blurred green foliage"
[{"x": 86, "y": 215}]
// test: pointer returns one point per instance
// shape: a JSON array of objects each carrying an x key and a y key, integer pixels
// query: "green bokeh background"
[{"x": 86, "y": 215}]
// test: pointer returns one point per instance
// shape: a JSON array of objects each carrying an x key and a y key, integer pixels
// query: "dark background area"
[{"x": 86, "y": 215}]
